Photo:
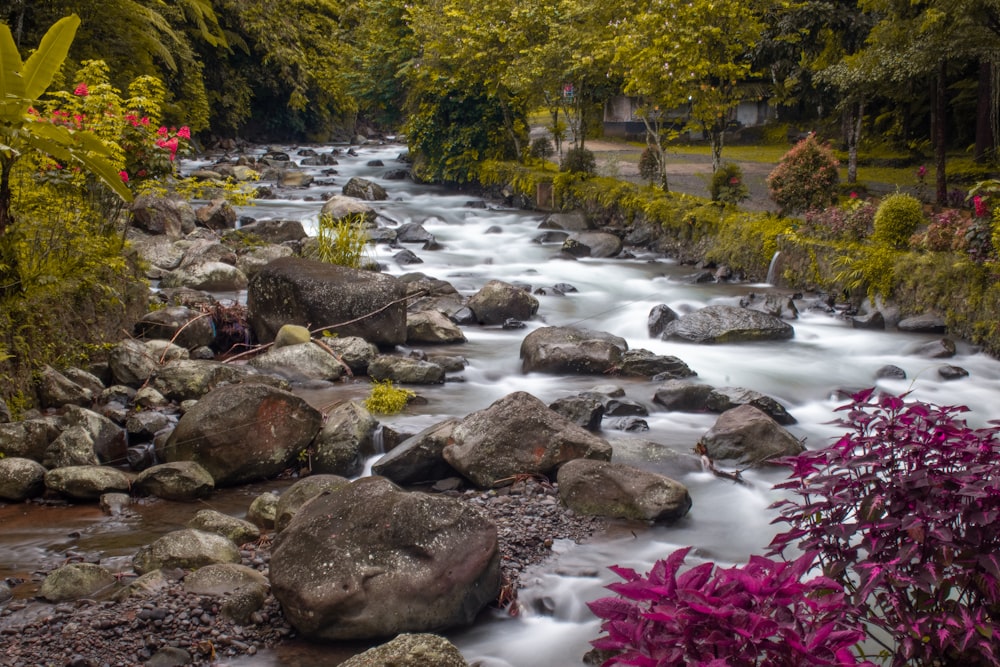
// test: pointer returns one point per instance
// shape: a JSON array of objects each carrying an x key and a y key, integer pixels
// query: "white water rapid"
[{"x": 727, "y": 522}]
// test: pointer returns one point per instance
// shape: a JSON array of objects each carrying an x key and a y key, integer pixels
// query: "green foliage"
[
  {"x": 387, "y": 399},
  {"x": 649, "y": 166},
  {"x": 342, "y": 241},
  {"x": 727, "y": 185},
  {"x": 869, "y": 269},
  {"x": 579, "y": 161},
  {"x": 896, "y": 219},
  {"x": 541, "y": 148},
  {"x": 805, "y": 178},
  {"x": 746, "y": 241}
]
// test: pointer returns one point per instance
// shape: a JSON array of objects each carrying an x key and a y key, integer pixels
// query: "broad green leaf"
[
  {"x": 61, "y": 144},
  {"x": 45, "y": 62},
  {"x": 12, "y": 102}
]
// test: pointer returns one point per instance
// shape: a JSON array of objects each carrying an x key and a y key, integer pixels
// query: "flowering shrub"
[
  {"x": 946, "y": 232},
  {"x": 851, "y": 221},
  {"x": 805, "y": 178},
  {"x": 902, "y": 511},
  {"x": 759, "y": 614},
  {"x": 896, "y": 219},
  {"x": 727, "y": 185}
]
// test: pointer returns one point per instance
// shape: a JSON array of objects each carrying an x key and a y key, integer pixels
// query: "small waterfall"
[
  {"x": 378, "y": 441},
  {"x": 771, "y": 268}
]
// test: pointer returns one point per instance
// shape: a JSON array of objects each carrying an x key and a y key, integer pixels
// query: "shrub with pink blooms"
[{"x": 805, "y": 179}]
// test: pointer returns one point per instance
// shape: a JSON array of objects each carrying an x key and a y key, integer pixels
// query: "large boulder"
[
  {"x": 498, "y": 302},
  {"x": 108, "y": 438},
  {"x": 186, "y": 379},
  {"x": 593, "y": 244},
  {"x": 183, "y": 326},
  {"x": 273, "y": 231},
  {"x": 163, "y": 215},
  {"x": 28, "y": 439},
  {"x": 347, "y": 434},
  {"x": 21, "y": 478},
  {"x": 571, "y": 350},
  {"x": 206, "y": 275},
  {"x": 301, "y": 492},
  {"x": 86, "y": 482},
  {"x": 73, "y": 447},
  {"x": 181, "y": 480},
  {"x": 431, "y": 326},
  {"x": 218, "y": 214},
  {"x": 727, "y": 398},
  {"x": 356, "y": 352},
  {"x": 243, "y": 432},
  {"x": 517, "y": 435},
  {"x": 132, "y": 362},
  {"x": 419, "y": 458},
  {"x": 727, "y": 324},
  {"x": 747, "y": 435},
  {"x": 339, "y": 207},
  {"x": 56, "y": 390},
  {"x": 186, "y": 549},
  {"x": 371, "y": 560},
  {"x": 643, "y": 363},
  {"x": 222, "y": 579},
  {"x": 405, "y": 370},
  {"x": 237, "y": 531},
  {"x": 74, "y": 581},
  {"x": 362, "y": 188},
  {"x": 310, "y": 293},
  {"x": 410, "y": 650},
  {"x": 614, "y": 490},
  {"x": 307, "y": 361}
]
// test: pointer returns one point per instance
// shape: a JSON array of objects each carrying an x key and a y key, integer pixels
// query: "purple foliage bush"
[
  {"x": 903, "y": 511},
  {"x": 852, "y": 221},
  {"x": 805, "y": 178},
  {"x": 759, "y": 614},
  {"x": 902, "y": 514}
]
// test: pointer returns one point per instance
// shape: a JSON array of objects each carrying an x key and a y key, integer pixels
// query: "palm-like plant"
[{"x": 21, "y": 84}]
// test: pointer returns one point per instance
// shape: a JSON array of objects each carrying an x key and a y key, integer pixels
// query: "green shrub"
[
  {"x": 727, "y": 185},
  {"x": 387, "y": 399},
  {"x": 342, "y": 241},
  {"x": 649, "y": 170},
  {"x": 896, "y": 219},
  {"x": 579, "y": 161},
  {"x": 541, "y": 148},
  {"x": 805, "y": 178}
]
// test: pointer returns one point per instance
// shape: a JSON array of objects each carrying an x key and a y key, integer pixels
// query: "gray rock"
[
  {"x": 655, "y": 457},
  {"x": 371, "y": 560},
  {"x": 498, "y": 301},
  {"x": 292, "y": 290},
  {"x": 600, "y": 488},
  {"x": 890, "y": 372},
  {"x": 873, "y": 320},
  {"x": 927, "y": 323},
  {"x": 431, "y": 326},
  {"x": 143, "y": 425},
  {"x": 585, "y": 411},
  {"x": 274, "y": 231},
  {"x": 186, "y": 379},
  {"x": 291, "y": 334},
  {"x": 410, "y": 650},
  {"x": 777, "y": 305},
  {"x": 187, "y": 549},
  {"x": 75, "y": 581},
  {"x": 361, "y": 188},
  {"x": 339, "y": 207},
  {"x": 237, "y": 531},
  {"x": 131, "y": 362},
  {"x": 659, "y": 317},
  {"x": 115, "y": 504},
  {"x": 301, "y": 492},
  {"x": 517, "y": 435},
  {"x": 243, "y": 432},
  {"x": 86, "y": 482},
  {"x": 346, "y": 437},
  {"x": 643, "y": 363},
  {"x": 747, "y": 435},
  {"x": 218, "y": 214},
  {"x": 183, "y": 326},
  {"x": 21, "y": 478},
  {"x": 207, "y": 275},
  {"x": 419, "y": 458},
  {"x": 594, "y": 244},
  {"x": 949, "y": 372},
  {"x": 293, "y": 178},
  {"x": 181, "y": 480},
  {"x": 943, "y": 348},
  {"x": 413, "y": 232},
  {"x": 56, "y": 390},
  {"x": 727, "y": 398},
  {"x": 160, "y": 252},
  {"x": 262, "y": 510},
  {"x": 354, "y": 351},
  {"x": 727, "y": 324},
  {"x": 73, "y": 447},
  {"x": 571, "y": 350},
  {"x": 108, "y": 439},
  {"x": 297, "y": 363},
  {"x": 28, "y": 439},
  {"x": 681, "y": 396},
  {"x": 570, "y": 221},
  {"x": 405, "y": 370},
  {"x": 242, "y": 603},
  {"x": 163, "y": 215}
]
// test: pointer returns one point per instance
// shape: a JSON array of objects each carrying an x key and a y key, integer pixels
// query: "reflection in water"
[{"x": 727, "y": 521}]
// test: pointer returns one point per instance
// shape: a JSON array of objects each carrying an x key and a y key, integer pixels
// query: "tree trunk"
[
  {"x": 717, "y": 138},
  {"x": 854, "y": 115},
  {"x": 984, "y": 113},
  {"x": 6, "y": 218},
  {"x": 939, "y": 134}
]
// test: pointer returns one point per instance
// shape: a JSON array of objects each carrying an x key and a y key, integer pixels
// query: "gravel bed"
[{"x": 172, "y": 627}]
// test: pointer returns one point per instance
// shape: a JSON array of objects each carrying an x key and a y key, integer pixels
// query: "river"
[{"x": 727, "y": 522}]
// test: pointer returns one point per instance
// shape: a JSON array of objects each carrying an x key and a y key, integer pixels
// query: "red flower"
[
  {"x": 854, "y": 195},
  {"x": 124, "y": 175},
  {"x": 81, "y": 90},
  {"x": 980, "y": 205},
  {"x": 184, "y": 132},
  {"x": 162, "y": 131}
]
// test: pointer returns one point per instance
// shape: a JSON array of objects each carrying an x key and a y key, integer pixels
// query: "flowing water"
[{"x": 727, "y": 523}]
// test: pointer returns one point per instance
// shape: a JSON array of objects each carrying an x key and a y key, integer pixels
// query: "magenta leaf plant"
[
  {"x": 760, "y": 613},
  {"x": 902, "y": 511}
]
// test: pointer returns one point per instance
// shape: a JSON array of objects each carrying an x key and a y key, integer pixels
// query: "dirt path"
[{"x": 686, "y": 173}]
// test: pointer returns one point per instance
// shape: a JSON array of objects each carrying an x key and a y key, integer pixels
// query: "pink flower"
[
  {"x": 184, "y": 132},
  {"x": 922, "y": 171},
  {"x": 81, "y": 90},
  {"x": 980, "y": 205},
  {"x": 162, "y": 131},
  {"x": 145, "y": 121},
  {"x": 124, "y": 175},
  {"x": 854, "y": 195}
]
